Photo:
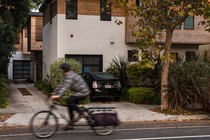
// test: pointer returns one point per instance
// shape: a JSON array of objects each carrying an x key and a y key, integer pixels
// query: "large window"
[
  {"x": 71, "y": 9},
  {"x": 105, "y": 10},
  {"x": 90, "y": 63},
  {"x": 189, "y": 23},
  {"x": 133, "y": 55}
]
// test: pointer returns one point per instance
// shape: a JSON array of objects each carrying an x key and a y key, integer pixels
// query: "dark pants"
[{"x": 72, "y": 102}]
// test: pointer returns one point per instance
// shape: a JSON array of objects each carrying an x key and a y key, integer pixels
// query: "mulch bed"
[
  {"x": 24, "y": 91},
  {"x": 5, "y": 116}
]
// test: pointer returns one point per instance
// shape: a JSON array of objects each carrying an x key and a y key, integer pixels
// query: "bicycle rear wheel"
[
  {"x": 43, "y": 124},
  {"x": 103, "y": 130}
]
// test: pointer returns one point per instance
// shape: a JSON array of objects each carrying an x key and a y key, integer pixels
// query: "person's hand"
[{"x": 54, "y": 96}]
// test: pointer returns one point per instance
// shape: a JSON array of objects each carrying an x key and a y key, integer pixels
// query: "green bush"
[
  {"x": 125, "y": 95},
  {"x": 55, "y": 72},
  {"x": 56, "y": 75},
  {"x": 142, "y": 95},
  {"x": 39, "y": 84},
  {"x": 3, "y": 92}
]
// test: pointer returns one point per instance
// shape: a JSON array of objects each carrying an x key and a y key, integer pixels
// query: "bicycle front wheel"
[{"x": 43, "y": 124}]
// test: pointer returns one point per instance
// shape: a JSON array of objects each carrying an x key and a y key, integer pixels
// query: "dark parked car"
[{"x": 103, "y": 84}]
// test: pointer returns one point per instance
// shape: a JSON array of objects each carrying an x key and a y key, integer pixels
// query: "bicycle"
[{"x": 102, "y": 120}]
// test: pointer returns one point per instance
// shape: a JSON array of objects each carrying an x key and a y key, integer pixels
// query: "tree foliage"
[
  {"x": 13, "y": 16},
  {"x": 158, "y": 18}
]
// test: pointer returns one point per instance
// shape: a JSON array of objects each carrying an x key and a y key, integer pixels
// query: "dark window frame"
[
  {"x": 105, "y": 13},
  {"x": 99, "y": 65},
  {"x": 72, "y": 9}
]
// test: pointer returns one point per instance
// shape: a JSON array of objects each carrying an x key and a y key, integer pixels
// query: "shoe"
[{"x": 68, "y": 127}]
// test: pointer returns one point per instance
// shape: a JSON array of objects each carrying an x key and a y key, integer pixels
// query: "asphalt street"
[{"x": 193, "y": 130}]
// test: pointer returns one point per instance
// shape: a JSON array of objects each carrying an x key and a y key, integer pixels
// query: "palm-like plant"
[
  {"x": 189, "y": 84},
  {"x": 118, "y": 68}
]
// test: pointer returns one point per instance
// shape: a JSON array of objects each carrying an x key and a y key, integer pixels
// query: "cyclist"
[{"x": 79, "y": 88}]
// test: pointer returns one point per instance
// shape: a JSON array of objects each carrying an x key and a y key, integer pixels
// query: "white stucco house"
[{"x": 80, "y": 29}]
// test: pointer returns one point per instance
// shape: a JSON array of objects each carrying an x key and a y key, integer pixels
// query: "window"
[
  {"x": 38, "y": 31},
  {"x": 71, "y": 9},
  {"x": 133, "y": 55},
  {"x": 90, "y": 63},
  {"x": 189, "y": 23},
  {"x": 105, "y": 10},
  {"x": 190, "y": 55}
]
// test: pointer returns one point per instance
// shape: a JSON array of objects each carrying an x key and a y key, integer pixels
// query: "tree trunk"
[{"x": 165, "y": 70}]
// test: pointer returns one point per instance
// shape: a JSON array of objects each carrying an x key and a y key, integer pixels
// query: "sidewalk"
[{"x": 25, "y": 106}]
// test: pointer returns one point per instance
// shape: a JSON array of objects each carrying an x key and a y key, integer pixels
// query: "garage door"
[{"x": 21, "y": 69}]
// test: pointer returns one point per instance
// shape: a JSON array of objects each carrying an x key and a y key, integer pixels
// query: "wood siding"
[
  {"x": 85, "y": 7},
  {"x": 36, "y": 33},
  {"x": 180, "y": 36}
]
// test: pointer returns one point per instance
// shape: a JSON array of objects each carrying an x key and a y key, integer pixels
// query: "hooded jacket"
[{"x": 75, "y": 83}]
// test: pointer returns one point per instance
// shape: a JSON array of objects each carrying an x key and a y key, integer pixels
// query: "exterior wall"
[
  {"x": 196, "y": 36},
  {"x": 17, "y": 56},
  {"x": 87, "y": 7},
  {"x": 25, "y": 41},
  {"x": 181, "y": 49},
  {"x": 35, "y": 45},
  {"x": 50, "y": 45},
  {"x": 180, "y": 36},
  {"x": 91, "y": 36},
  {"x": 19, "y": 43}
]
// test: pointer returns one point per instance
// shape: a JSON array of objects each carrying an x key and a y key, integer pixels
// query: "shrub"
[
  {"x": 3, "y": 92},
  {"x": 142, "y": 95},
  {"x": 118, "y": 69},
  {"x": 56, "y": 75},
  {"x": 55, "y": 72},
  {"x": 189, "y": 84},
  {"x": 125, "y": 95}
]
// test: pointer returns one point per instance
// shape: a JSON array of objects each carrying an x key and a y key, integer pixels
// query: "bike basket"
[{"x": 105, "y": 118}]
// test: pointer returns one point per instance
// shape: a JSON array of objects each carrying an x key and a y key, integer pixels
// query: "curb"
[{"x": 172, "y": 119}]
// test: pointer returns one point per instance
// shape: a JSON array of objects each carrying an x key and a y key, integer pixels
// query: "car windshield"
[{"x": 104, "y": 76}]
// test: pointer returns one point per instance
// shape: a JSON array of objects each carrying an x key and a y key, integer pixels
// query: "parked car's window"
[{"x": 105, "y": 76}]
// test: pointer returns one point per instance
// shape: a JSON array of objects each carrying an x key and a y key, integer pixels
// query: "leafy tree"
[
  {"x": 156, "y": 18},
  {"x": 13, "y": 16}
]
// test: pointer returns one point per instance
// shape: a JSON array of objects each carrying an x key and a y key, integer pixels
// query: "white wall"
[
  {"x": 17, "y": 56},
  {"x": 49, "y": 45},
  {"x": 91, "y": 36}
]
